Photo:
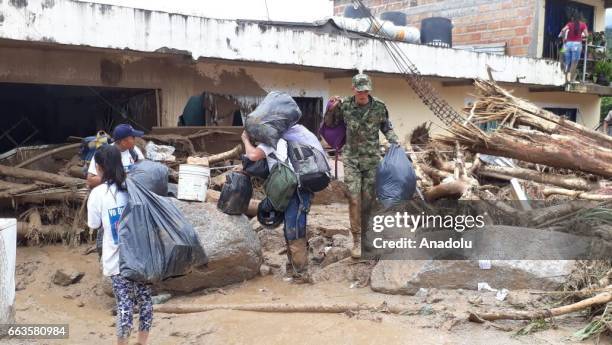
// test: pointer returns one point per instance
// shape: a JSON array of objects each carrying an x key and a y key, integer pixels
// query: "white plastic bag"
[{"x": 160, "y": 153}]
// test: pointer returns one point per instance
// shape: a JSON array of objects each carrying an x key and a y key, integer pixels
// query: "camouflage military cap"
[{"x": 362, "y": 82}]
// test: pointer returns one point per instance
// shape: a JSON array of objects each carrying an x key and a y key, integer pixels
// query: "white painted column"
[{"x": 8, "y": 253}]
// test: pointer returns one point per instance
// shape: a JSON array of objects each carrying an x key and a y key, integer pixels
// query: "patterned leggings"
[{"x": 127, "y": 294}]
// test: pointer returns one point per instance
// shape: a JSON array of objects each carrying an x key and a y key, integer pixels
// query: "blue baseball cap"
[{"x": 124, "y": 130}]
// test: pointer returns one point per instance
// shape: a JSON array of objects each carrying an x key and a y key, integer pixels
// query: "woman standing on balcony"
[{"x": 573, "y": 33}]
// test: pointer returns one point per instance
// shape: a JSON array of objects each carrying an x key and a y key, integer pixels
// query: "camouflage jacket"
[{"x": 362, "y": 126}]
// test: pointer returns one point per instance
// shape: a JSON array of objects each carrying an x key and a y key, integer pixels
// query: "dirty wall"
[{"x": 176, "y": 76}]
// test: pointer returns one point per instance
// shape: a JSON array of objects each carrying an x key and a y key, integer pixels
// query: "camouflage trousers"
[{"x": 360, "y": 181}]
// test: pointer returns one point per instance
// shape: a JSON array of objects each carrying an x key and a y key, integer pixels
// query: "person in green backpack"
[{"x": 296, "y": 210}]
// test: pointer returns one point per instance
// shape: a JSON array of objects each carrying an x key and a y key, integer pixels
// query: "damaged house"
[{"x": 69, "y": 68}]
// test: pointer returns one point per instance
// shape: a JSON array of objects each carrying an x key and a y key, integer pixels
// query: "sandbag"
[
  {"x": 273, "y": 116},
  {"x": 236, "y": 194},
  {"x": 255, "y": 169},
  {"x": 395, "y": 177},
  {"x": 152, "y": 175},
  {"x": 156, "y": 242}
]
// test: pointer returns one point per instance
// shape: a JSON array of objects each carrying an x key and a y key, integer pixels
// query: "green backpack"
[{"x": 280, "y": 186}]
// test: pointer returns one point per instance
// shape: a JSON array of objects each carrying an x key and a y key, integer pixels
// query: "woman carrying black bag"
[{"x": 104, "y": 209}]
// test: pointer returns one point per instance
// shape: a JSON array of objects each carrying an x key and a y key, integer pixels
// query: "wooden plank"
[
  {"x": 188, "y": 130},
  {"x": 519, "y": 194}
]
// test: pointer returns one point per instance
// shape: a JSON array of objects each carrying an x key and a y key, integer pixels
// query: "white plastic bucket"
[
  {"x": 8, "y": 252},
  {"x": 193, "y": 182}
]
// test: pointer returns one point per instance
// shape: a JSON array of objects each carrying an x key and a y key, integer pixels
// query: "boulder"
[
  {"x": 407, "y": 277},
  {"x": 64, "y": 279},
  {"x": 232, "y": 247}
]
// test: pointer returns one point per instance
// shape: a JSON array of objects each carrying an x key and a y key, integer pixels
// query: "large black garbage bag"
[
  {"x": 273, "y": 116},
  {"x": 156, "y": 241},
  {"x": 152, "y": 175},
  {"x": 395, "y": 177},
  {"x": 236, "y": 194},
  {"x": 255, "y": 169}
]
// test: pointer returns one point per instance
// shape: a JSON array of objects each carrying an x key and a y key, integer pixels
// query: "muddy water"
[{"x": 441, "y": 322}]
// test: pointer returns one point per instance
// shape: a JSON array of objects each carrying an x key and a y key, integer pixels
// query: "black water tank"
[
  {"x": 397, "y": 18},
  {"x": 360, "y": 12},
  {"x": 437, "y": 31}
]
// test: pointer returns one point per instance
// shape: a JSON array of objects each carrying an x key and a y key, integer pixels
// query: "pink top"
[{"x": 571, "y": 36}]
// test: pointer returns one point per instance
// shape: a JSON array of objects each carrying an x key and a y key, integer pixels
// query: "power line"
[
  {"x": 412, "y": 75},
  {"x": 267, "y": 11}
]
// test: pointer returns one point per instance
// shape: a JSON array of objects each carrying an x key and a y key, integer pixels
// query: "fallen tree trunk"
[
  {"x": 62, "y": 195},
  {"x": 47, "y": 154},
  {"x": 42, "y": 176},
  {"x": 499, "y": 104},
  {"x": 599, "y": 299},
  {"x": 543, "y": 215},
  {"x": 77, "y": 172},
  {"x": 23, "y": 189},
  {"x": 576, "y": 194},
  {"x": 435, "y": 174},
  {"x": 453, "y": 190},
  {"x": 233, "y": 153},
  {"x": 213, "y": 196},
  {"x": 505, "y": 173},
  {"x": 39, "y": 234},
  {"x": 280, "y": 308},
  {"x": 532, "y": 146}
]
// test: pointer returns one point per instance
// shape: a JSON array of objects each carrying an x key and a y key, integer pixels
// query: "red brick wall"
[{"x": 474, "y": 21}]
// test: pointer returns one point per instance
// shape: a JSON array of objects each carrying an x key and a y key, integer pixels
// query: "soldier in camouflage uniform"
[{"x": 364, "y": 116}]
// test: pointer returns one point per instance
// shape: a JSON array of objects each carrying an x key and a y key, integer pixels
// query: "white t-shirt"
[
  {"x": 104, "y": 208},
  {"x": 126, "y": 159},
  {"x": 297, "y": 133}
]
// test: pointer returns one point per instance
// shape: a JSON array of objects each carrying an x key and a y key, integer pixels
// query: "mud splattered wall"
[{"x": 177, "y": 77}]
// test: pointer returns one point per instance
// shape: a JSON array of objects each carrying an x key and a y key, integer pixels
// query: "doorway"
[
  {"x": 34, "y": 114},
  {"x": 556, "y": 16}
]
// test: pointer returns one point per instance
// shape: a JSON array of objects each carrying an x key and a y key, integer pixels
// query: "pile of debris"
[
  {"x": 541, "y": 169},
  {"x": 549, "y": 154},
  {"x": 45, "y": 188}
]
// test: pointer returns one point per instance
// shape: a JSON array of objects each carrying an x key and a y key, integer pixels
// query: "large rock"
[
  {"x": 406, "y": 277},
  {"x": 63, "y": 278},
  {"x": 232, "y": 247}
]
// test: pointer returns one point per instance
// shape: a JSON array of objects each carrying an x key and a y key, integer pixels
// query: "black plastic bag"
[
  {"x": 255, "y": 169},
  {"x": 267, "y": 215},
  {"x": 236, "y": 194},
  {"x": 152, "y": 175},
  {"x": 395, "y": 177},
  {"x": 273, "y": 116},
  {"x": 156, "y": 242}
]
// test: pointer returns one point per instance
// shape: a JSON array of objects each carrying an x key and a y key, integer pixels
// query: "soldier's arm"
[
  {"x": 387, "y": 128},
  {"x": 333, "y": 115}
]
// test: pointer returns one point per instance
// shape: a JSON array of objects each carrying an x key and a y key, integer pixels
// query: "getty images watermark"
[
  {"x": 411, "y": 223},
  {"x": 466, "y": 230}
]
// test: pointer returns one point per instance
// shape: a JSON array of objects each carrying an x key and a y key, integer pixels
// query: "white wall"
[
  {"x": 278, "y": 10},
  {"x": 93, "y": 25}
]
